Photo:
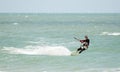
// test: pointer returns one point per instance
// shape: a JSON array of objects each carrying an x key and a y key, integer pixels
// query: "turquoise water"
[{"x": 44, "y": 42}]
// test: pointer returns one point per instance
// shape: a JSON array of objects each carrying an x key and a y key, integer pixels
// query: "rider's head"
[{"x": 86, "y": 37}]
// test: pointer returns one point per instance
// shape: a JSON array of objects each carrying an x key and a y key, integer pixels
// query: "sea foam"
[{"x": 39, "y": 50}]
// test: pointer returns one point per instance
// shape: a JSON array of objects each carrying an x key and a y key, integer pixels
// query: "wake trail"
[{"x": 39, "y": 50}]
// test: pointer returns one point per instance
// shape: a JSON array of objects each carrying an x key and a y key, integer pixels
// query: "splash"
[{"x": 39, "y": 50}]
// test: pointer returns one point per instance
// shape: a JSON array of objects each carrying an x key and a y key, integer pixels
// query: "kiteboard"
[{"x": 74, "y": 53}]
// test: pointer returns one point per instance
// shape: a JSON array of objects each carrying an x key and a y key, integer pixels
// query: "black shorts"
[{"x": 80, "y": 49}]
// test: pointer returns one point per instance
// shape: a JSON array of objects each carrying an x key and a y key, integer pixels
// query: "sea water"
[{"x": 44, "y": 42}]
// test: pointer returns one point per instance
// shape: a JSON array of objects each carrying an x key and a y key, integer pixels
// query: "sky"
[{"x": 59, "y": 6}]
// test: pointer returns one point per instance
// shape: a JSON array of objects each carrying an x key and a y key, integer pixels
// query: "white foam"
[
  {"x": 102, "y": 70},
  {"x": 44, "y": 71},
  {"x": 26, "y": 16},
  {"x": 39, "y": 50},
  {"x": 2, "y": 71},
  {"x": 111, "y": 33},
  {"x": 15, "y": 23}
]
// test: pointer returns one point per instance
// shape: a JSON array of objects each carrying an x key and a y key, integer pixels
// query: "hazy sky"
[{"x": 60, "y": 6}]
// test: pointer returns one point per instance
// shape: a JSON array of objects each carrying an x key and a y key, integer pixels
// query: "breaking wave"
[{"x": 39, "y": 50}]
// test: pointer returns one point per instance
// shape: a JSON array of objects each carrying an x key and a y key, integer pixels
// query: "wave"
[
  {"x": 111, "y": 33},
  {"x": 39, "y": 50}
]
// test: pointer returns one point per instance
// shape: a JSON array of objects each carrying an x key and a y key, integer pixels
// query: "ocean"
[{"x": 43, "y": 42}]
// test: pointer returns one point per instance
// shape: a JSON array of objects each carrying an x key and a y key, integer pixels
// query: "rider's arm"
[
  {"x": 76, "y": 39},
  {"x": 82, "y": 41}
]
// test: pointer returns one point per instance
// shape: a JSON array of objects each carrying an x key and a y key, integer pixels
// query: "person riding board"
[{"x": 85, "y": 44}]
